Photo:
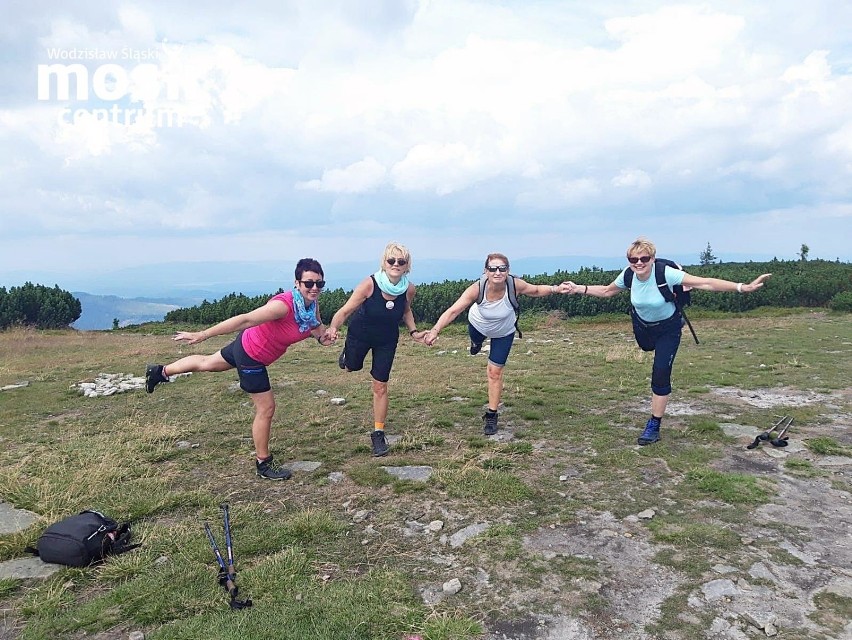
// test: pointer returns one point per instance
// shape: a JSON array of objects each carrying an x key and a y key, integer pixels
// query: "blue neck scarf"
[
  {"x": 388, "y": 287},
  {"x": 306, "y": 317}
]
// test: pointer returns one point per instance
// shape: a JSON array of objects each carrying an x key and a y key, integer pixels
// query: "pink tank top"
[{"x": 268, "y": 341}]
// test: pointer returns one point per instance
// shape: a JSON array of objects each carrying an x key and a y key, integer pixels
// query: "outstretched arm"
[
  {"x": 408, "y": 316},
  {"x": 272, "y": 310},
  {"x": 596, "y": 290},
  {"x": 465, "y": 300},
  {"x": 716, "y": 284},
  {"x": 363, "y": 291},
  {"x": 539, "y": 290}
]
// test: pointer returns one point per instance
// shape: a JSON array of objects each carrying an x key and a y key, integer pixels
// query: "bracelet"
[
  {"x": 739, "y": 287},
  {"x": 586, "y": 290},
  {"x": 319, "y": 339},
  {"x": 412, "y": 332}
]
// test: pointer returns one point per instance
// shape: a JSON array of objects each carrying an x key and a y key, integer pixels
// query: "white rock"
[
  {"x": 452, "y": 587},
  {"x": 338, "y": 401}
]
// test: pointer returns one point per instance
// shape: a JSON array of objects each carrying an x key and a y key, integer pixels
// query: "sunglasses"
[
  {"x": 400, "y": 261},
  {"x": 642, "y": 259},
  {"x": 502, "y": 268},
  {"x": 310, "y": 284}
]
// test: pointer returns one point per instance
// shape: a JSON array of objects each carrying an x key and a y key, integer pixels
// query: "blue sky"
[{"x": 455, "y": 127}]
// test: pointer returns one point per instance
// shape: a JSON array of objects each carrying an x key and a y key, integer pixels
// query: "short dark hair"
[{"x": 308, "y": 264}]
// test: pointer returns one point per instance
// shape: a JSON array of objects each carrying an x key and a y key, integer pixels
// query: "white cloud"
[
  {"x": 473, "y": 111},
  {"x": 359, "y": 177},
  {"x": 635, "y": 178}
]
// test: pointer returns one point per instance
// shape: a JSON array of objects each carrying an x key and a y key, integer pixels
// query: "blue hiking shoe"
[{"x": 651, "y": 434}]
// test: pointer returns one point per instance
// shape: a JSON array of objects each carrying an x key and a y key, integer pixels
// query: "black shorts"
[
  {"x": 254, "y": 378},
  {"x": 383, "y": 354}
]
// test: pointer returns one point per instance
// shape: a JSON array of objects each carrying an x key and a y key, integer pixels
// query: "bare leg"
[
  {"x": 261, "y": 426},
  {"x": 214, "y": 362},
  {"x": 495, "y": 385},
  {"x": 380, "y": 401},
  {"x": 658, "y": 405}
]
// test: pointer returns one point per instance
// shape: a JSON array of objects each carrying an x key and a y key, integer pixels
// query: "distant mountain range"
[{"x": 147, "y": 293}]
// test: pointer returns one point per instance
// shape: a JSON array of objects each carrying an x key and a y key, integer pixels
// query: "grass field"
[{"x": 557, "y": 492}]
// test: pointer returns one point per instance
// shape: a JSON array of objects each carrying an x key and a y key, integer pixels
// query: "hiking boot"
[
  {"x": 651, "y": 434},
  {"x": 380, "y": 445},
  {"x": 154, "y": 376},
  {"x": 475, "y": 347},
  {"x": 341, "y": 361},
  {"x": 264, "y": 469},
  {"x": 490, "y": 427}
]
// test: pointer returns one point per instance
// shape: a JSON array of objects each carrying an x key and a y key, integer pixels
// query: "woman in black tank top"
[{"x": 378, "y": 305}]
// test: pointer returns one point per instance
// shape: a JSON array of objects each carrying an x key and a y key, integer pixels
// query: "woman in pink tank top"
[{"x": 264, "y": 335}]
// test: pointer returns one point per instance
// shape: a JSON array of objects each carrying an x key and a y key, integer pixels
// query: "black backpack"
[
  {"x": 80, "y": 540},
  {"x": 674, "y": 294},
  {"x": 513, "y": 297}
]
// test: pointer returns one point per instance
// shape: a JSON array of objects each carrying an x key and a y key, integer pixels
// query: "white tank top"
[{"x": 493, "y": 319}]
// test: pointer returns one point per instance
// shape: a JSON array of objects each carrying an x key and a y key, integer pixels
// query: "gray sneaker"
[{"x": 265, "y": 469}]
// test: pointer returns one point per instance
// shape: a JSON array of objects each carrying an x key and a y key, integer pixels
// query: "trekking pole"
[
  {"x": 763, "y": 437},
  {"x": 781, "y": 440},
  {"x": 223, "y": 571},
  {"x": 231, "y": 581},
  {"x": 226, "y": 579},
  {"x": 689, "y": 324}
]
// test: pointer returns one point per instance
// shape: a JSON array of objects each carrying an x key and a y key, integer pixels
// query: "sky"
[{"x": 275, "y": 130}]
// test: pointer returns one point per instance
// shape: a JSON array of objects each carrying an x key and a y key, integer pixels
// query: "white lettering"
[
  {"x": 63, "y": 75},
  {"x": 119, "y": 82}
]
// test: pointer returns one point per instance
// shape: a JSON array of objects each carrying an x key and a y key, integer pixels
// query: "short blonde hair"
[
  {"x": 395, "y": 250},
  {"x": 642, "y": 245},
  {"x": 498, "y": 256}
]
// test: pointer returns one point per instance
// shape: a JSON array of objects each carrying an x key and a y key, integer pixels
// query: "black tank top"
[{"x": 377, "y": 320}]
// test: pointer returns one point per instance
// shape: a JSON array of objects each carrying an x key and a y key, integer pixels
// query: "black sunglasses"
[
  {"x": 310, "y": 284},
  {"x": 642, "y": 259},
  {"x": 502, "y": 268},
  {"x": 400, "y": 261}
]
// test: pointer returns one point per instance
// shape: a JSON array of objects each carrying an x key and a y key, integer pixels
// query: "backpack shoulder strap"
[
  {"x": 628, "y": 277},
  {"x": 513, "y": 295},
  {"x": 662, "y": 285},
  {"x": 482, "y": 280}
]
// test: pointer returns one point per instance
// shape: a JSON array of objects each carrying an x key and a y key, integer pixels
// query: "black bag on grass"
[{"x": 80, "y": 540}]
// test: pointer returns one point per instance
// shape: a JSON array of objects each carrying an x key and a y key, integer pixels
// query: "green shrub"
[{"x": 841, "y": 302}]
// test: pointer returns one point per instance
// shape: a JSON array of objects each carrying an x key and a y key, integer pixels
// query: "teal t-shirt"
[{"x": 647, "y": 299}]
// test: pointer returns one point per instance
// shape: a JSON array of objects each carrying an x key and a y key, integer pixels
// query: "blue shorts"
[
  {"x": 500, "y": 347},
  {"x": 254, "y": 378}
]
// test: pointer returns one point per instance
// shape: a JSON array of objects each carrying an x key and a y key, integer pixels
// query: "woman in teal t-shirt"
[{"x": 657, "y": 323}]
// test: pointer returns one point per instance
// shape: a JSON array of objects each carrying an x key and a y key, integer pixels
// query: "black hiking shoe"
[
  {"x": 154, "y": 376},
  {"x": 651, "y": 434},
  {"x": 264, "y": 469},
  {"x": 341, "y": 361},
  {"x": 380, "y": 445},
  {"x": 490, "y": 427},
  {"x": 475, "y": 347}
]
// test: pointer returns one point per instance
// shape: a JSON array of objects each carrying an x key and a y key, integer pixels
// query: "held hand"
[
  {"x": 563, "y": 288},
  {"x": 757, "y": 283},
  {"x": 430, "y": 337},
  {"x": 190, "y": 337},
  {"x": 419, "y": 336},
  {"x": 570, "y": 287},
  {"x": 330, "y": 333},
  {"x": 326, "y": 339}
]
